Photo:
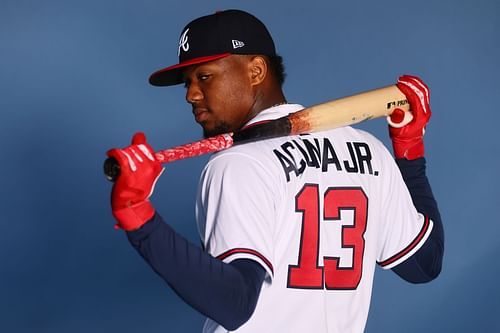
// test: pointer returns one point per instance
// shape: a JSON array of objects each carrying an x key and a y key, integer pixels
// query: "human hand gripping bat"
[
  {"x": 131, "y": 191},
  {"x": 381, "y": 102},
  {"x": 407, "y": 141}
]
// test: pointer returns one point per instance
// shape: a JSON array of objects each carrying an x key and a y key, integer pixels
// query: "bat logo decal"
[{"x": 394, "y": 104}]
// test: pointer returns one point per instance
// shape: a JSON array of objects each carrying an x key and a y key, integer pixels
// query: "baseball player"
[{"x": 292, "y": 227}]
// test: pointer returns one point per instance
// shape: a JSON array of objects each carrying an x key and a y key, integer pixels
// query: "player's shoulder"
[
  {"x": 349, "y": 133},
  {"x": 256, "y": 153},
  {"x": 243, "y": 158},
  {"x": 250, "y": 164},
  {"x": 236, "y": 169},
  {"x": 354, "y": 132}
]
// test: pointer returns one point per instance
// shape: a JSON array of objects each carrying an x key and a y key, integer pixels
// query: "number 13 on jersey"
[{"x": 307, "y": 274}]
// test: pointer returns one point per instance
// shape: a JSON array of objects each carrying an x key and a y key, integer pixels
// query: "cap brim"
[{"x": 172, "y": 75}]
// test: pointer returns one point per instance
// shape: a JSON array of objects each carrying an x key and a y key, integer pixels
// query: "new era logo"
[{"x": 237, "y": 44}]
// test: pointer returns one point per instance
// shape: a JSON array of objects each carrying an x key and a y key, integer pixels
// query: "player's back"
[
  {"x": 319, "y": 223},
  {"x": 329, "y": 183}
]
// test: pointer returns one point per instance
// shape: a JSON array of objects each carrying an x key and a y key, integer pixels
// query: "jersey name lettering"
[{"x": 317, "y": 154}]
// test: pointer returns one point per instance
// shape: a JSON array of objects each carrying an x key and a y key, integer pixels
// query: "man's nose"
[{"x": 193, "y": 93}]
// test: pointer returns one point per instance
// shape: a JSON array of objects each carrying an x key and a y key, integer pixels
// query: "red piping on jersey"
[
  {"x": 256, "y": 123},
  {"x": 246, "y": 251},
  {"x": 413, "y": 244}
]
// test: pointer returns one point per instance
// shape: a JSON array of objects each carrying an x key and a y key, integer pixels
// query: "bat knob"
[
  {"x": 399, "y": 118},
  {"x": 111, "y": 169}
]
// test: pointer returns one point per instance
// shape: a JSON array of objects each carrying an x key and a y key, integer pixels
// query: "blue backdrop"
[{"x": 73, "y": 83}]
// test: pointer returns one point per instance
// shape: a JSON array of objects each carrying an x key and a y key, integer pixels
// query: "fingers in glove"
[
  {"x": 139, "y": 138},
  {"x": 131, "y": 156},
  {"x": 123, "y": 158},
  {"x": 417, "y": 82},
  {"x": 416, "y": 91}
]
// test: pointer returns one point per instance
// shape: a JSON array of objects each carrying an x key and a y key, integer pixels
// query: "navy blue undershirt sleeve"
[
  {"x": 226, "y": 293},
  {"x": 425, "y": 264}
]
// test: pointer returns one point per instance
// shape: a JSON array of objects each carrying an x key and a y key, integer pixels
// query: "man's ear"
[{"x": 258, "y": 69}]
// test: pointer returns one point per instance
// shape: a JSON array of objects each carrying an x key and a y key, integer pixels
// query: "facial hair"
[{"x": 220, "y": 127}]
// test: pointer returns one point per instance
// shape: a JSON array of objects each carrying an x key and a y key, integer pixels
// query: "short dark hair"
[{"x": 277, "y": 68}]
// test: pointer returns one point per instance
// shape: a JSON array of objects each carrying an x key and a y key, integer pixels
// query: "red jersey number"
[{"x": 308, "y": 274}]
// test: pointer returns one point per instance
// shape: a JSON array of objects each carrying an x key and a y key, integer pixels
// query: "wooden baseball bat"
[{"x": 333, "y": 114}]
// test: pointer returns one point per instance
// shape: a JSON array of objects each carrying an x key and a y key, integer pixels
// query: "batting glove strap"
[
  {"x": 408, "y": 148},
  {"x": 133, "y": 217}
]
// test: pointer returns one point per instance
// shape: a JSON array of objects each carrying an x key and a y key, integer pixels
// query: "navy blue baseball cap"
[{"x": 214, "y": 37}]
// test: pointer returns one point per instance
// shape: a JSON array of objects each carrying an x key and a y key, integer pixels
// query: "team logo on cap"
[
  {"x": 237, "y": 43},
  {"x": 183, "y": 42}
]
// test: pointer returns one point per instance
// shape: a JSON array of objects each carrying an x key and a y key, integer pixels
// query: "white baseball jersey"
[{"x": 318, "y": 212}]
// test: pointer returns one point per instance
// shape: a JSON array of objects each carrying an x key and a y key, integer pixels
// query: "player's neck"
[
  {"x": 266, "y": 95},
  {"x": 270, "y": 99}
]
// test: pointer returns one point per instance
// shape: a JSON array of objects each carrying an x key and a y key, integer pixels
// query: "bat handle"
[{"x": 208, "y": 145}]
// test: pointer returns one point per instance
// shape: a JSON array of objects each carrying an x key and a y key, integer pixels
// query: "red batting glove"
[
  {"x": 139, "y": 171},
  {"x": 407, "y": 141}
]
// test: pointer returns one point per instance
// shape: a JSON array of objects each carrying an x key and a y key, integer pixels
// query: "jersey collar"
[{"x": 274, "y": 112}]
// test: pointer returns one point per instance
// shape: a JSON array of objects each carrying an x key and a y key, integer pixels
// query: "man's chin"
[
  {"x": 209, "y": 134},
  {"x": 219, "y": 129}
]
